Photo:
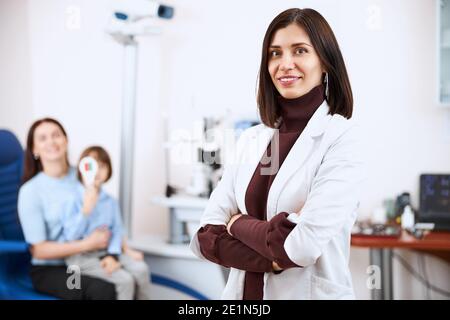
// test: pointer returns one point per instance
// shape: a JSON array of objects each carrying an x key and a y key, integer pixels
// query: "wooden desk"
[{"x": 435, "y": 243}]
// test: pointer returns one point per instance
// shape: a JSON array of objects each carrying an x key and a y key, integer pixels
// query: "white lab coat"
[{"x": 320, "y": 179}]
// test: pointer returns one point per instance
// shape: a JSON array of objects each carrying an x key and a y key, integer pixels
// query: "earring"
[
  {"x": 326, "y": 84},
  {"x": 36, "y": 157}
]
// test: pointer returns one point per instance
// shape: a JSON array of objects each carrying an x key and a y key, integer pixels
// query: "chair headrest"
[{"x": 10, "y": 147}]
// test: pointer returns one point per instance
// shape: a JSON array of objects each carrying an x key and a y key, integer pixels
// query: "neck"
[
  {"x": 55, "y": 169},
  {"x": 295, "y": 113}
]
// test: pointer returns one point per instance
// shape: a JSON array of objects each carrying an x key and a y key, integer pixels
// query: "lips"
[
  {"x": 288, "y": 80},
  {"x": 52, "y": 150}
]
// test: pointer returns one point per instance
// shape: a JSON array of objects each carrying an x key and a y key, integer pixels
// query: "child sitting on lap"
[{"x": 92, "y": 208}]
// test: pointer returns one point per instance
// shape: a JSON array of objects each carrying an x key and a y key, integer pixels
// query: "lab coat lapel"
[
  {"x": 254, "y": 149},
  {"x": 297, "y": 156}
]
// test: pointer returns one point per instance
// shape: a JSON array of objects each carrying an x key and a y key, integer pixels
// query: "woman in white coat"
[{"x": 282, "y": 214}]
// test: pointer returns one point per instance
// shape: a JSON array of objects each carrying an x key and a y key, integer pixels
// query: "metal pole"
[
  {"x": 376, "y": 258},
  {"x": 127, "y": 135},
  {"x": 387, "y": 274},
  {"x": 177, "y": 235}
]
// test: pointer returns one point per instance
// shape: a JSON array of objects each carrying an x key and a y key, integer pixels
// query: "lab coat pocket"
[{"x": 323, "y": 289}]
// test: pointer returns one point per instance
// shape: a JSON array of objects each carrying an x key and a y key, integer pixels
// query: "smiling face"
[
  {"x": 49, "y": 143},
  {"x": 293, "y": 64}
]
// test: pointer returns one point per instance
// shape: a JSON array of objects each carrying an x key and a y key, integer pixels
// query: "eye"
[
  {"x": 56, "y": 134},
  {"x": 41, "y": 138},
  {"x": 274, "y": 53},
  {"x": 300, "y": 50}
]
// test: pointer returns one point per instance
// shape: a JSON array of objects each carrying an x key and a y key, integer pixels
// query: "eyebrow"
[{"x": 293, "y": 45}]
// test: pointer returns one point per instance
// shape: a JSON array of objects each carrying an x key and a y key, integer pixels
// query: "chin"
[
  {"x": 292, "y": 93},
  {"x": 55, "y": 157}
]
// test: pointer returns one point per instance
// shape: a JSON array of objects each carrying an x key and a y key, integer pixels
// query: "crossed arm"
[{"x": 248, "y": 243}]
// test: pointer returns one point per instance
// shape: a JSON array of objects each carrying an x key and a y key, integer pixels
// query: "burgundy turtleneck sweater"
[{"x": 257, "y": 242}]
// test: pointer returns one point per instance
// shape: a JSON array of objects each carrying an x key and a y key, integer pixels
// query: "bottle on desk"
[{"x": 408, "y": 218}]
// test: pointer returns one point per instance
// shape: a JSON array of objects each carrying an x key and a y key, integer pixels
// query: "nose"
[
  {"x": 53, "y": 142},
  {"x": 287, "y": 63}
]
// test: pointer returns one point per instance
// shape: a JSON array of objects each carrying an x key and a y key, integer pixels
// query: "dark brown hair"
[
  {"x": 33, "y": 166},
  {"x": 340, "y": 97},
  {"x": 101, "y": 155}
]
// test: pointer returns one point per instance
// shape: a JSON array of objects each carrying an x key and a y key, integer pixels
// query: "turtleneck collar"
[{"x": 295, "y": 113}]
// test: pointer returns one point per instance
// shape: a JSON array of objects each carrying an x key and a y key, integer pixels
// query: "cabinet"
[{"x": 443, "y": 26}]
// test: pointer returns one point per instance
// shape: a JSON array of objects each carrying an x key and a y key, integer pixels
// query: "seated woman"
[{"x": 48, "y": 182}]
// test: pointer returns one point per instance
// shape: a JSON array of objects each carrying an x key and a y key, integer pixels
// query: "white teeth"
[{"x": 287, "y": 79}]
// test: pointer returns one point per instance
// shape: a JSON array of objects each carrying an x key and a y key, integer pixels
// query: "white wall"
[
  {"x": 15, "y": 68},
  {"x": 206, "y": 62}
]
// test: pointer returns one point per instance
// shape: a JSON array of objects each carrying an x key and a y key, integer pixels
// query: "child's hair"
[{"x": 101, "y": 155}]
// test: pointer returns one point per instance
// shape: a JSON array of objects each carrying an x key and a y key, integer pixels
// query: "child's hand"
[
  {"x": 90, "y": 199},
  {"x": 98, "y": 239},
  {"x": 135, "y": 255},
  {"x": 109, "y": 264}
]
